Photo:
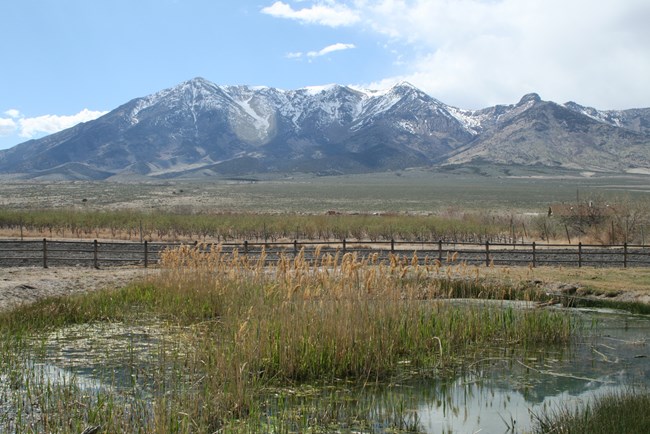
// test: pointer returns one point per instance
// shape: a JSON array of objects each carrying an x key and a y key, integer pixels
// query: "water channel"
[{"x": 498, "y": 394}]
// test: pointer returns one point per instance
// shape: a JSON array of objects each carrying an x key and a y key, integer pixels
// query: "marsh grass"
[
  {"x": 634, "y": 307},
  {"x": 251, "y": 329},
  {"x": 618, "y": 412}
]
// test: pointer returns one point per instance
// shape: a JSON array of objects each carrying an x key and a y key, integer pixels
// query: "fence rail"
[{"x": 46, "y": 253}]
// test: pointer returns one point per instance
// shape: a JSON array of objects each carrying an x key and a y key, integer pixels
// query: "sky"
[{"x": 69, "y": 61}]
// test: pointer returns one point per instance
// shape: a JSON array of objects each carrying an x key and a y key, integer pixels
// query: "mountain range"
[{"x": 199, "y": 129}]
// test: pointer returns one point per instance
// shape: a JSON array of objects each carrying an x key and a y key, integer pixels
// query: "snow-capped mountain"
[
  {"x": 199, "y": 128},
  {"x": 534, "y": 132},
  {"x": 633, "y": 119}
]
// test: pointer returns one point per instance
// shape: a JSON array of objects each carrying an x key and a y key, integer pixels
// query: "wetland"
[
  {"x": 217, "y": 343},
  {"x": 333, "y": 343}
]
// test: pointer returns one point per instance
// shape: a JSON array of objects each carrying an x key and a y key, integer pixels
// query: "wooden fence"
[{"x": 46, "y": 253}]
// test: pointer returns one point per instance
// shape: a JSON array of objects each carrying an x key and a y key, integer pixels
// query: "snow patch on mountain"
[
  {"x": 471, "y": 121},
  {"x": 370, "y": 93},
  {"x": 315, "y": 90},
  {"x": 611, "y": 117},
  {"x": 259, "y": 117}
]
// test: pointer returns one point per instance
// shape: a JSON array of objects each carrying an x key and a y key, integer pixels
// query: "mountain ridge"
[{"x": 199, "y": 128}]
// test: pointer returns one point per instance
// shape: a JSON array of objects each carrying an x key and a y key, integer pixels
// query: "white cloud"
[
  {"x": 322, "y": 52},
  {"x": 48, "y": 124},
  {"x": 7, "y": 126},
  {"x": 329, "y": 13},
  {"x": 475, "y": 53},
  {"x": 331, "y": 49},
  {"x": 13, "y": 113}
]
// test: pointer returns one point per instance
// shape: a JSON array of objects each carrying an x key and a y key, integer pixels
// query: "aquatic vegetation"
[
  {"x": 619, "y": 412},
  {"x": 223, "y": 332}
]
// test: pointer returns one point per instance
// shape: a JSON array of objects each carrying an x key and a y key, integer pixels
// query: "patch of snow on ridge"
[
  {"x": 261, "y": 123},
  {"x": 381, "y": 104},
  {"x": 471, "y": 122},
  {"x": 370, "y": 93},
  {"x": 141, "y": 104},
  {"x": 611, "y": 117},
  {"x": 407, "y": 126},
  {"x": 315, "y": 90}
]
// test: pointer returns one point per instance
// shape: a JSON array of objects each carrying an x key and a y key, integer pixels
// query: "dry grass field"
[{"x": 404, "y": 193}]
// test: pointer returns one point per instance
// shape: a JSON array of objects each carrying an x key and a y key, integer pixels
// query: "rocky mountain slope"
[
  {"x": 199, "y": 129},
  {"x": 541, "y": 133}
]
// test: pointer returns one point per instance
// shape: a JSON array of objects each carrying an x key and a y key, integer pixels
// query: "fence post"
[
  {"x": 534, "y": 256},
  {"x": 146, "y": 254},
  {"x": 44, "y": 253},
  {"x": 344, "y": 246},
  {"x": 487, "y": 253},
  {"x": 625, "y": 255},
  {"x": 392, "y": 245},
  {"x": 246, "y": 247},
  {"x": 440, "y": 251},
  {"x": 95, "y": 261},
  {"x": 580, "y": 254},
  {"x": 295, "y": 248}
]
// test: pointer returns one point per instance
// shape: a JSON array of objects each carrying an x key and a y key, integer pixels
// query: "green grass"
[{"x": 621, "y": 413}]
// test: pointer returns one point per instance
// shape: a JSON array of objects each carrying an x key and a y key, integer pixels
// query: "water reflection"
[
  {"x": 504, "y": 395},
  {"x": 498, "y": 394}
]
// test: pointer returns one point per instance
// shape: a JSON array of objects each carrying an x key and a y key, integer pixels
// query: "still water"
[
  {"x": 499, "y": 394},
  {"x": 611, "y": 356},
  {"x": 503, "y": 392}
]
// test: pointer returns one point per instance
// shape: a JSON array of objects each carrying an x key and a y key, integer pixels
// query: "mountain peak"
[
  {"x": 196, "y": 82},
  {"x": 405, "y": 86},
  {"x": 199, "y": 80},
  {"x": 530, "y": 98}
]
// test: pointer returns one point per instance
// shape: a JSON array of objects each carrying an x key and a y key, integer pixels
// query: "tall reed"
[
  {"x": 616, "y": 412},
  {"x": 251, "y": 327},
  {"x": 337, "y": 315}
]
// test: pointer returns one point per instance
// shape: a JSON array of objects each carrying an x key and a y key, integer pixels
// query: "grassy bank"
[
  {"x": 615, "y": 288},
  {"x": 235, "y": 332}
]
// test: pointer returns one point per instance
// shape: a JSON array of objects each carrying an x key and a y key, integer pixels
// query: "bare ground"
[{"x": 20, "y": 285}]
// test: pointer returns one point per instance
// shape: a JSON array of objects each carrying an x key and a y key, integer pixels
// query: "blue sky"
[{"x": 65, "y": 61}]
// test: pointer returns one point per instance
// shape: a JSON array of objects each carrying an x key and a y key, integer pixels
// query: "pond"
[
  {"x": 502, "y": 398},
  {"x": 500, "y": 393}
]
